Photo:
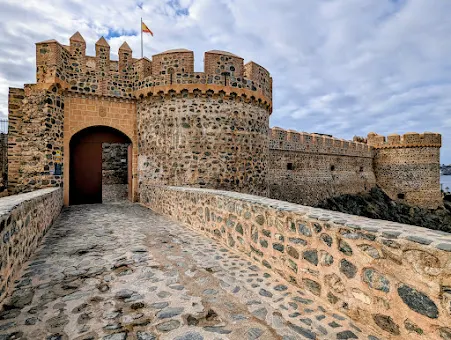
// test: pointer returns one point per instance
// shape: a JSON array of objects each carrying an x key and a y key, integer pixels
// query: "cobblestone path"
[{"x": 119, "y": 271}]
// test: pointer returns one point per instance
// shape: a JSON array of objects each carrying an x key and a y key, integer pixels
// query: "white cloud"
[{"x": 341, "y": 67}]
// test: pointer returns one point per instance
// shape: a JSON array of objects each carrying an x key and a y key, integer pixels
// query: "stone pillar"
[
  {"x": 78, "y": 53},
  {"x": 103, "y": 64}
]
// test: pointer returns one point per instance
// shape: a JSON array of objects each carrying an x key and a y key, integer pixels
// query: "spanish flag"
[{"x": 146, "y": 29}]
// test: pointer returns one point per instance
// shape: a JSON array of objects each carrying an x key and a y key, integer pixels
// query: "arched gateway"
[{"x": 100, "y": 166}]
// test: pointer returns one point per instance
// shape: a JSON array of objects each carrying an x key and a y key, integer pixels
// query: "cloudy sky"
[{"x": 341, "y": 67}]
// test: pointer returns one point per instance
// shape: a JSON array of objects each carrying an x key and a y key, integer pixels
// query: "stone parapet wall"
[
  {"x": 290, "y": 140},
  {"x": 24, "y": 219},
  {"x": 310, "y": 178},
  {"x": 308, "y": 168},
  {"x": 394, "y": 278}
]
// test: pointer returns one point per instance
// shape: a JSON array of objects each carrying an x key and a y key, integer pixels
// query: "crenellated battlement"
[
  {"x": 290, "y": 140},
  {"x": 407, "y": 140},
  {"x": 130, "y": 77}
]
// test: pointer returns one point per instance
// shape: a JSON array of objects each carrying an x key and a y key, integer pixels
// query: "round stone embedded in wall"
[
  {"x": 311, "y": 256},
  {"x": 376, "y": 280},
  {"x": 412, "y": 327},
  {"x": 313, "y": 286},
  {"x": 326, "y": 258},
  {"x": 445, "y": 333},
  {"x": 348, "y": 268},
  {"x": 334, "y": 282},
  {"x": 423, "y": 262},
  {"x": 418, "y": 302},
  {"x": 386, "y": 323},
  {"x": 344, "y": 248},
  {"x": 370, "y": 251},
  {"x": 327, "y": 239},
  {"x": 292, "y": 252}
]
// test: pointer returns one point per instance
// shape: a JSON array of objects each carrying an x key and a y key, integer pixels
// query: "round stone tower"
[
  {"x": 407, "y": 167},
  {"x": 204, "y": 129}
]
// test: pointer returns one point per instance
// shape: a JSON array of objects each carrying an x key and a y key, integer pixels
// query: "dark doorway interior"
[
  {"x": 86, "y": 162},
  {"x": 114, "y": 172}
]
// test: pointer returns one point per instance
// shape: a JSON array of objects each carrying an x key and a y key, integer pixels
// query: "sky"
[{"x": 340, "y": 67}]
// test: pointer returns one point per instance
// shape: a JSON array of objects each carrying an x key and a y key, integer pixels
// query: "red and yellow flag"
[{"x": 146, "y": 29}]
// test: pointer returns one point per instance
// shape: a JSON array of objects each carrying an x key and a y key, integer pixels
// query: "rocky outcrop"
[
  {"x": 376, "y": 204},
  {"x": 445, "y": 169}
]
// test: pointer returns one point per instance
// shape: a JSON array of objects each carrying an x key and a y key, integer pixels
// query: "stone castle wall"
[
  {"x": 206, "y": 129},
  {"x": 72, "y": 69},
  {"x": 114, "y": 172},
  {"x": 309, "y": 168},
  {"x": 100, "y": 91},
  {"x": 24, "y": 220},
  {"x": 203, "y": 140},
  {"x": 407, "y": 167},
  {"x": 35, "y": 138},
  {"x": 395, "y": 278}
]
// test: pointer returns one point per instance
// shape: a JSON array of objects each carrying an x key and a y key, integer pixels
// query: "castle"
[
  {"x": 203, "y": 129},
  {"x": 93, "y": 130}
]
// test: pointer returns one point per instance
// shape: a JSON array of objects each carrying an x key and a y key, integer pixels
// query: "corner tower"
[
  {"x": 204, "y": 129},
  {"x": 407, "y": 167}
]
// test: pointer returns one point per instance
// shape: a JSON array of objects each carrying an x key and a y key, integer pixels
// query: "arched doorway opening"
[{"x": 100, "y": 166}]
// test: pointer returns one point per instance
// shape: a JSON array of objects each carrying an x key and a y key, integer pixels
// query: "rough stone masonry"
[
  {"x": 282, "y": 270},
  {"x": 158, "y": 280},
  {"x": 394, "y": 278},
  {"x": 205, "y": 129}
]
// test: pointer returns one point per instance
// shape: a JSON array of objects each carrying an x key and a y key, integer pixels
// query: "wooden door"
[{"x": 86, "y": 173}]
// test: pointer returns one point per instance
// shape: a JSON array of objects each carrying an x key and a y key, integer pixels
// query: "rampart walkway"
[{"x": 119, "y": 271}]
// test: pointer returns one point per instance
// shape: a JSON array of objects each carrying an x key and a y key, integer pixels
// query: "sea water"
[{"x": 445, "y": 182}]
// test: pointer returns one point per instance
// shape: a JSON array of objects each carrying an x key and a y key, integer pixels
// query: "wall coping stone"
[
  {"x": 386, "y": 229},
  {"x": 8, "y": 203}
]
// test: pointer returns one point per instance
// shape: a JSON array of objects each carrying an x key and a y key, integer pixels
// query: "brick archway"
[
  {"x": 87, "y": 164},
  {"x": 85, "y": 111}
]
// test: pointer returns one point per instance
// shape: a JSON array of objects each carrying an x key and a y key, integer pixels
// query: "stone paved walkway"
[{"x": 119, "y": 271}]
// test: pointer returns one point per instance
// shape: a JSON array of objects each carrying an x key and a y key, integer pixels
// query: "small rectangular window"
[
  {"x": 401, "y": 196},
  {"x": 289, "y": 166}
]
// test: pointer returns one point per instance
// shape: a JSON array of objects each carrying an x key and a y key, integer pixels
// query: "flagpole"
[{"x": 142, "y": 48}]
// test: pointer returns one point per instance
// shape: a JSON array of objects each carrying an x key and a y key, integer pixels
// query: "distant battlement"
[
  {"x": 290, "y": 140},
  {"x": 129, "y": 77},
  {"x": 407, "y": 140}
]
